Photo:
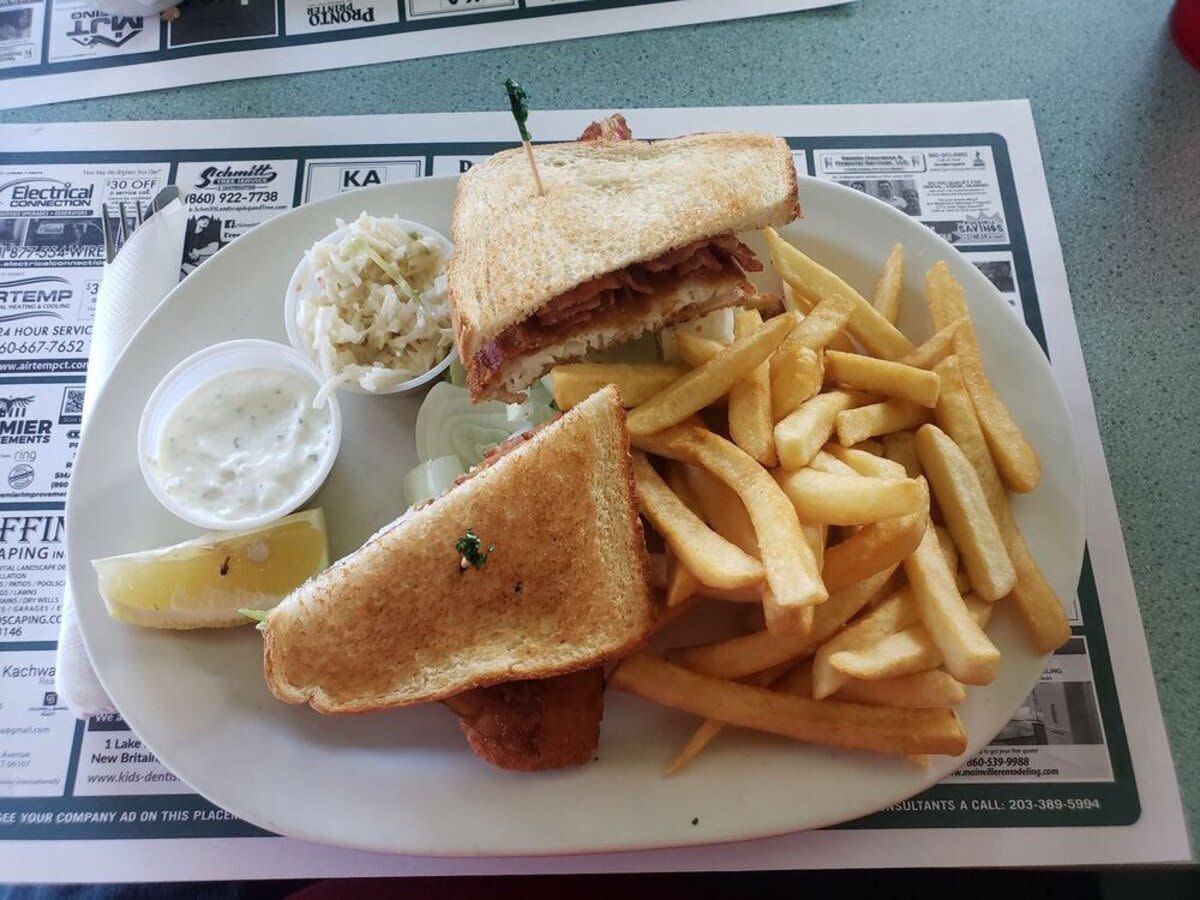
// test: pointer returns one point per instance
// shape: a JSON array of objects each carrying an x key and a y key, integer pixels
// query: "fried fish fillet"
[{"x": 535, "y": 724}]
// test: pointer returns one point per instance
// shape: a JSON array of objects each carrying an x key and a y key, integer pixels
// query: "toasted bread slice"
[
  {"x": 564, "y": 586},
  {"x": 608, "y": 205}
]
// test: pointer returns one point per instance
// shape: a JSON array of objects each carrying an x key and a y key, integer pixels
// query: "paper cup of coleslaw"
[{"x": 368, "y": 305}]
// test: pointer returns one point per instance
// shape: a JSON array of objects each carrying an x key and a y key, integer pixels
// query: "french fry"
[
  {"x": 785, "y": 617},
  {"x": 801, "y": 434},
  {"x": 870, "y": 446},
  {"x": 833, "y": 723},
  {"x": 792, "y": 370},
  {"x": 899, "y": 448},
  {"x": 573, "y": 383},
  {"x": 750, "y": 596},
  {"x": 793, "y": 302},
  {"x": 875, "y": 547},
  {"x": 821, "y": 498},
  {"x": 741, "y": 656},
  {"x": 825, "y": 461},
  {"x": 970, "y": 656},
  {"x": 962, "y": 582},
  {"x": 658, "y": 571},
  {"x": 668, "y": 615},
  {"x": 1015, "y": 458},
  {"x": 710, "y": 728},
  {"x": 933, "y": 689},
  {"x": 886, "y": 298},
  {"x": 710, "y": 381},
  {"x": 750, "y": 619},
  {"x": 707, "y": 555},
  {"x": 696, "y": 349},
  {"x": 823, "y": 323},
  {"x": 894, "y": 614},
  {"x": 936, "y": 348},
  {"x": 944, "y": 296},
  {"x": 793, "y": 579},
  {"x": 867, "y": 464},
  {"x": 751, "y": 424},
  {"x": 681, "y": 584},
  {"x": 815, "y": 536},
  {"x": 827, "y": 326},
  {"x": 906, "y": 652},
  {"x": 722, "y": 508},
  {"x": 1037, "y": 602},
  {"x": 948, "y": 547},
  {"x": 874, "y": 419},
  {"x": 960, "y": 495},
  {"x": 880, "y": 376},
  {"x": 1018, "y": 462},
  {"x": 797, "y": 373},
  {"x": 797, "y": 679},
  {"x": 879, "y": 336}
]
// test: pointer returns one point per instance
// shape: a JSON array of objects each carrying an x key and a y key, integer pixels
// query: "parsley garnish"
[{"x": 470, "y": 547}]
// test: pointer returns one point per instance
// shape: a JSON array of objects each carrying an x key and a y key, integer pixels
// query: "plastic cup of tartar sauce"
[
  {"x": 304, "y": 282},
  {"x": 246, "y": 407}
]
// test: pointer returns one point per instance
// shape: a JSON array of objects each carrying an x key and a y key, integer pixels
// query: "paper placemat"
[
  {"x": 52, "y": 50},
  {"x": 1081, "y": 775}
]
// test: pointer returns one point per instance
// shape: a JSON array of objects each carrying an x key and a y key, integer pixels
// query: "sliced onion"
[
  {"x": 448, "y": 424},
  {"x": 456, "y": 373},
  {"x": 716, "y": 326},
  {"x": 432, "y": 479}
]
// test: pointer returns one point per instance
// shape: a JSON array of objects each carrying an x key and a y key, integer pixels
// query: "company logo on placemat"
[
  {"x": 39, "y": 290},
  {"x": 234, "y": 177},
  {"x": 981, "y": 229},
  {"x": 356, "y": 178},
  {"x": 339, "y": 12},
  {"x": 20, "y": 476},
  {"x": 17, "y": 428},
  {"x": 14, "y": 407},
  {"x": 45, "y": 193},
  {"x": 94, "y": 27}
]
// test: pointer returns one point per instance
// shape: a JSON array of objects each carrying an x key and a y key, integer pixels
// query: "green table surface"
[{"x": 1118, "y": 114}]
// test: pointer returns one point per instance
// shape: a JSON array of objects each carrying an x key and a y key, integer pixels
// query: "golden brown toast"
[{"x": 564, "y": 587}]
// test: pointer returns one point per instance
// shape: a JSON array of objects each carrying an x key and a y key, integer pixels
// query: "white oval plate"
[{"x": 404, "y": 781}]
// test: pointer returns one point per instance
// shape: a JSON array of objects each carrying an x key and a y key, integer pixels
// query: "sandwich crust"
[{"x": 565, "y": 588}]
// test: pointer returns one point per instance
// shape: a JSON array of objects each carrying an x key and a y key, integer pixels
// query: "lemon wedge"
[{"x": 203, "y": 582}]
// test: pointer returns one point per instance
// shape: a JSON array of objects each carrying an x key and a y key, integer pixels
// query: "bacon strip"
[{"x": 615, "y": 295}]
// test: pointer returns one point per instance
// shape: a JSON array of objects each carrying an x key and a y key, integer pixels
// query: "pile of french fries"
[{"x": 854, "y": 486}]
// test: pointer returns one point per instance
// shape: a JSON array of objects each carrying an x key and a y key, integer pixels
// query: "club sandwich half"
[
  {"x": 628, "y": 237},
  {"x": 532, "y": 568}
]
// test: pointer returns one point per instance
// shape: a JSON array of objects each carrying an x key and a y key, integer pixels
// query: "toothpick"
[{"x": 518, "y": 100}]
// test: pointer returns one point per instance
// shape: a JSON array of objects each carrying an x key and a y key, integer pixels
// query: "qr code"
[
  {"x": 73, "y": 402},
  {"x": 72, "y": 406}
]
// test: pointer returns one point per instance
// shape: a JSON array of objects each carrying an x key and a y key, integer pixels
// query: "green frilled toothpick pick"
[{"x": 519, "y": 101}]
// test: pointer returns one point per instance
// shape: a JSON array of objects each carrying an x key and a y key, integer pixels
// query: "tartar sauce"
[{"x": 243, "y": 444}]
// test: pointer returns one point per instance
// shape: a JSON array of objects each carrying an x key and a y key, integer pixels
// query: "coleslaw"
[{"x": 372, "y": 304}]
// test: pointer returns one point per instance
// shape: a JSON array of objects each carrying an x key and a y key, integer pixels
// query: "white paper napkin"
[{"x": 144, "y": 272}]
